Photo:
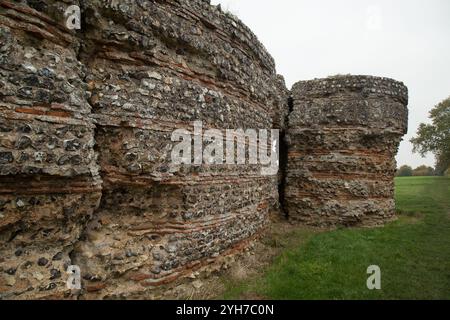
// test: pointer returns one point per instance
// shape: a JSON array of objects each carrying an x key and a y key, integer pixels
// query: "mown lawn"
[{"x": 413, "y": 254}]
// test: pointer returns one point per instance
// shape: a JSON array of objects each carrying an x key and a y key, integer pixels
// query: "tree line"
[{"x": 422, "y": 171}]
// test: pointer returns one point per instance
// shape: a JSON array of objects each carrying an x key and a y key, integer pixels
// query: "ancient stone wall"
[
  {"x": 49, "y": 179},
  {"x": 86, "y": 122},
  {"x": 343, "y": 135}
]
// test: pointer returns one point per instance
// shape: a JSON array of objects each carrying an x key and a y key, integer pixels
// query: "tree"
[
  {"x": 442, "y": 163},
  {"x": 405, "y": 171},
  {"x": 423, "y": 171},
  {"x": 435, "y": 137}
]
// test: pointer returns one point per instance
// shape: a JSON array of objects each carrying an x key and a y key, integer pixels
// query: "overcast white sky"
[{"x": 408, "y": 40}]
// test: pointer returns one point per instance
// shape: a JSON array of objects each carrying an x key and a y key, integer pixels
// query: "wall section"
[{"x": 86, "y": 120}]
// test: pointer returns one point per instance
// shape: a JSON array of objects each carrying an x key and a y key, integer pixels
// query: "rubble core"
[
  {"x": 86, "y": 119},
  {"x": 343, "y": 135}
]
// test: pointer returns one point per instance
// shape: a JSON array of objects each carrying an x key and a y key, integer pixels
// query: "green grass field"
[{"x": 412, "y": 252}]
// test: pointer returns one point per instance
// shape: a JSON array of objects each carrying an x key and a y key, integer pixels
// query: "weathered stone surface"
[
  {"x": 343, "y": 135},
  {"x": 156, "y": 67},
  {"x": 89, "y": 114},
  {"x": 49, "y": 181}
]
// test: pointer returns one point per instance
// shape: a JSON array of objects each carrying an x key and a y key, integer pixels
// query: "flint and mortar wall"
[
  {"x": 343, "y": 135},
  {"x": 86, "y": 118},
  {"x": 86, "y": 121},
  {"x": 49, "y": 177}
]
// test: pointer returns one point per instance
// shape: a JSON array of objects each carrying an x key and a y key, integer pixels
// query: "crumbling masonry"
[
  {"x": 343, "y": 135},
  {"x": 86, "y": 118}
]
